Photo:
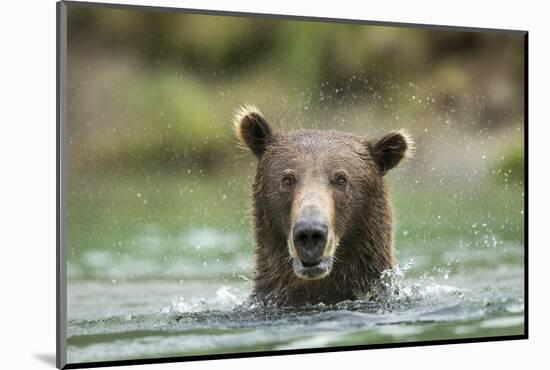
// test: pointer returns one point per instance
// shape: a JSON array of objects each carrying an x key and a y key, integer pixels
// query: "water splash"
[
  {"x": 394, "y": 291},
  {"x": 225, "y": 299}
]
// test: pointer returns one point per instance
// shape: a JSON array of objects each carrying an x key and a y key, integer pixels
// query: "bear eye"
[
  {"x": 288, "y": 181},
  {"x": 340, "y": 180}
]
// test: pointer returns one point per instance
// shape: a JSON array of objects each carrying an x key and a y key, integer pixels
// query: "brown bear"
[{"x": 322, "y": 220}]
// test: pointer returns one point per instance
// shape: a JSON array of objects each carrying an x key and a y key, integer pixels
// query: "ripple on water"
[{"x": 397, "y": 309}]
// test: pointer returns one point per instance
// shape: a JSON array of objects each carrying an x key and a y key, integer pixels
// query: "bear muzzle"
[{"x": 310, "y": 237}]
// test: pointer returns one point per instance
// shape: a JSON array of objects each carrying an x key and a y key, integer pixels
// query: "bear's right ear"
[{"x": 252, "y": 130}]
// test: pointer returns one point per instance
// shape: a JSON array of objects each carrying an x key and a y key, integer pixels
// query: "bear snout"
[{"x": 310, "y": 237}]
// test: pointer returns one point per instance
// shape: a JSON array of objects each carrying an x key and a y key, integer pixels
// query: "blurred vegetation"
[
  {"x": 156, "y": 90},
  {"x": 510, "y": 167}
]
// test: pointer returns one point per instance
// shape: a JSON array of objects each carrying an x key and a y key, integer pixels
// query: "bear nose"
[{"x": 310, "y": 237}]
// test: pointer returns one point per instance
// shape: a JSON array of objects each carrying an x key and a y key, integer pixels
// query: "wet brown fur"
[{"x": 362, "y": 213}]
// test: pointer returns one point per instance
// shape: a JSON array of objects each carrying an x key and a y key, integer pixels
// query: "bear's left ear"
[
  {"x": 389, "y": 150},
  {"x": 252, "y": 129}
]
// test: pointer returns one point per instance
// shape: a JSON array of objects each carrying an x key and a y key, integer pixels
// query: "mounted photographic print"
[{"x": 234, "y": 185}]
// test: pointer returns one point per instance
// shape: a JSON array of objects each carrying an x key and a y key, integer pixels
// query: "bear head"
[{"x": 315, "y": 189}]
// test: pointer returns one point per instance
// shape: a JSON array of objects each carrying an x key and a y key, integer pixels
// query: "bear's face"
[{"x": 315, "y": 185}]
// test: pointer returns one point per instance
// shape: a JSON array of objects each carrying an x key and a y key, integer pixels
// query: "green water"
[{"x": 159, "y": 265}]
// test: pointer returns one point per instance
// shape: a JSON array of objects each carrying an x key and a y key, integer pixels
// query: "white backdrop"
[{"x": 27, "y": 197}]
